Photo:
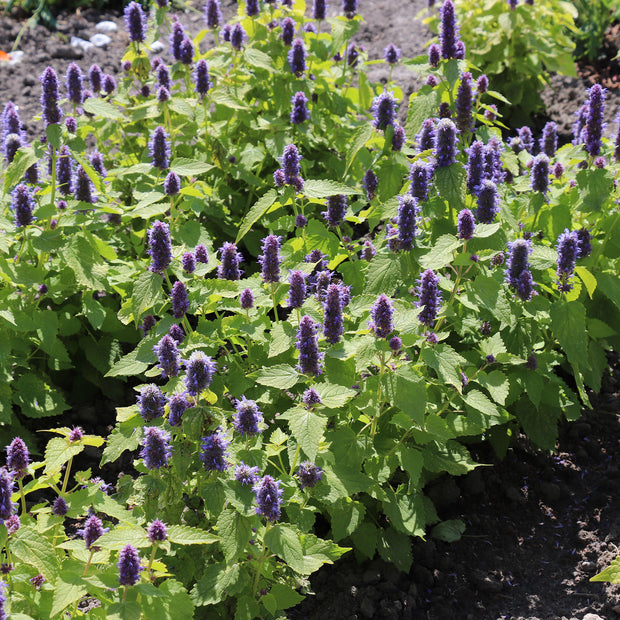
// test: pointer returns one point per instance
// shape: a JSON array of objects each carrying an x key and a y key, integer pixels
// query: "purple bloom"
[
  {"x": 151, "y": 402},
  {"x": 420, "y": 174},
  {"x": 482, "y": 84},
  {"x": 429, "y": 297},
  {"x": 213, "y": 454},
  {"x": 308, "y": 347},
  {"x": 391, "y": 54},
  {"x": 517, "y": 261},
  {"x": 49, "y": 97},
  {"x": 225, "y": 32},
  {"x": 299, "y": 113},
  {"x": 526, "y": 138},
  {"x": 593, "y": 129},
  {"x": 549, "y": 139},
  {"x": 248, "y": 417},
  {"x": 525, "y": 285},
  {"x": 163, "y": 94},
  {"x": 449, "y": 33},
  {"x": 84, "y": 188},
  {"x": 246, "y": 299},
  {"x": 291, "y": 168},
  {"x": 539, "y": 175},
  {"x": 201, "y": 254},
  {"x": 465, "y": 225},
  {"x": 434, "y": 55},
  {"x": 475, "y": 166},
  {"x": 178, "y": 405},
  {"x": 297, "y": 57},
  {"x": 398, "y": 139},
  {"x": 147, "y": 324},
  {"x": 252, "y": 8},
  {"x": 180, "y": 300},
  {"x": 172, "y": 184},
  {"x": 370, "y": 183},
  {"x": 64, "y": 170},
  {"x": 10, "y": 146},
  {"x": 6, "y": 491},
  {"x": 490, "y": 359},
  {"x": 160, "y": 247},
  {"x": 163, "y": 75},
  {"x": 532, "y": 362},
  {"x": 10, "y": 122},
  {"x": 297, "y": 291},
  {"x": 76, "y": 434},
  {"x": 17, "y": 457},
  {"x": 237, "y": 36},
  {"x": 188, "y": 260},
  {"x": 319, "y": 9},
  {"x": 159, "y": 148},
  {"x": 157, "y": 531},
  {"x": 488, "y": 202},
  {"x": 396, "y": 344},
  {"x": 268, "y": 498},
  {"x": 310, "y": 398},
  {"x": 494, "y": 168},
  {"x": 22, "y": 205},
  {"x": 135, "y": 22},
  {"x": 37, "y": 581},
  {"x": 368, "y": 251},
  {"x": 425, "y": 139},
  {"x": 176, "y": 39},
  {"x": 168, "y": 356},
  {"x": 333, "y": 327},
  {"x": 464, "y": 103},
  {"x": 109, "y": 84},
  {"x": 229, "y": 262},
  {"x": 381, "y": 314},
  {"x": 301, "y": 220},
  {"x": 490, "y": 114},
  {"x": 200, "y": 369},
  {"x": 407, "y": 218},
  {"x": 156, "y": 450},
  {"x": 384, "y": 110},
  {"x": 96, "y": 161},
  {"x": 74, "y": 83},
  {"x": 128, "y": 561},
  {"x": 459, "y": 50},
  {"x": 309, "y": 474},
  {"x": 270, "y": 259},
  {"x": 93, "y": 529},
  {"x": 212, "y": 13},
  {"x": 445, "y": 142},
  {"x": 288, "y": 31},
  {"x": 246, "y": 475},
  {"x": 186, "y": 51},
  {"x": 568, "y": 248},
  {"x": 336, "y": 209},
  {"x": 585, "y": 244},
  {"x": 201, "y": 77}
]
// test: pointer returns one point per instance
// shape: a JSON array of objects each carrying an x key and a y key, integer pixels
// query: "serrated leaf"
[
  {"x": 57, "y": 452},
  {"x": 611, "y": 573},
  {"x": 307, "y": 427},
  {"x": 259, "y": 208},
  {"x": 446, "y": 362},
  {"x": 68, "y": 589},
  {"x": 450, "y": 457},
  {"x": 256, "y": 58},
  {"x": 120, "y": 536},
  {"x": 84, "y": 261},
  {"x": 93, "y": 311},
  {"x": 185, "y": 535},
  {"x": 360, "y": 136},
  {"x": 285, "y": 542},
  {"x": 217, "y": 582},
  {"x": 497, "y": 384},
  {"x": 543, "y": 257},
  {"x": 282, "y": 336},
  {"x": 568, "y": 323},
  {"x": 325, "y": 188},
  {"x": 24, "y": 158},
  {"x": 235, "y": 532},
  {"x": 147, "y": 290},
  {"x": 36, "y": 398},
  {"x": 125, "y": 436},
  {"x": 285, "y": 596},
  {"x": 588, "y": 279},
  {"x": 395, "y": 547},
  {"x": 346, "y": 516},
  {"x": 32, "y": 548},
  {"x": 448, "y": 531},
  {"x": 407, "y": 391},
  {"x": 281, "y": 376},
  {"x": 383, "y": 275},
  {"x": 422, "y": 105},
  {"x": 102, "y": 108},
  {"x": 185, "y": 167},
  {"x": 450, "y": 184},
  {"x": 334, "y": 396},
  {"x": 318, "y": 552},
  {"x": 128, "y": 365},
  {"x": 441, "y": 254}
]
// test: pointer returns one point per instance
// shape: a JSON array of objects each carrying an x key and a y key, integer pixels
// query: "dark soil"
[{"x": 538, "y": 525}]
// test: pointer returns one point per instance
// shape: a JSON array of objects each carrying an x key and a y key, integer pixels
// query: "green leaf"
[
  {"x": 611, "y": 573},
  {"x": 184, "y": 535},
  {"x": 361, "y": 135},
  {"x": 441, "y": 254},
  {"x": 365, "y": 539},
  {"x": 450, "y": 184},
  {"x": 334, "y": 396},
  {"x": 93, "y": 311},
  {"x": 282, "y": 337},
  {"x": 325, "y": 188},
  {"x": 449, "y": 457},
  {"x": 395, "y": 547},
  {"x": 492, "y": 415},
  {"x": 85, "y": 262},
  {"x": 383, "y": 275},
  {"x": 405, "y": 511},
  {"x": 318, "y": 552},
  {"x": 449, "y": 531},
  {"x": 281, "y": 376},
  {"x": 189, "y": 167},
  {"x": 128, "y": 365},
  {"x": 285, "y": 596},
  {"x": 307, "y": 428},
  {"x": 610, "y": 287},
  {"x": 125, "y": 436},
  {"x": 588, "y": 279},
  {"x": 256, "y": 58},
  {"x": 259, "y": 208},
  {"x": 235, "y": 532},
  {"x": 568, "y": 323},
  {"x": 147, "y": 291},
  {"x": 488, "y": 293},
  {"x": 346, "y": 516},
  {"x": 422, "y": 105},
  {"x": 497, "y": 384},
  {"x": 120, "y": 536},
  {"x": 595, "y": 187},
  {"x": 411, "y": 461},
  {"x": 446, "y": 362},
  {"x": 36, "y": 398},
  {"x": 217, "y": 583},
  {"x": 407, "y": 391},
  {"x": 543, "y": 257},
  {"x": 57, "y": 452},
  {"x": 32, "y": 548},
  {"x": 102, "y": 108},
  {"x": 68, "y": 589},
  {"x": 285, "y": 542},
  {"x": 24, "y": 158}
]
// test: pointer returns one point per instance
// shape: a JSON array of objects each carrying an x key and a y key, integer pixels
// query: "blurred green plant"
[{"x": 593, "y": 20}]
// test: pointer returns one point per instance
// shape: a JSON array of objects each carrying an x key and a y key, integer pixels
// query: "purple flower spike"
[
  {"x": 246, "y": 299},
  {"x": 381, "y": 315},
  {"x": 270, "y": 259},
  {"x": 176, "y": 333},
  {"x": 177, "y": 37},
  {"x": 22, "y": 205},
  {"x": 370, "y": 182},
  {"x": 213, "y": 454},
  {"x": 49, "y": 97},
  {"x": 59, "y": 507},
  {"x": 585, "y": 242},
  {"x": 336, "y": 210},
  {"x": 368, "y": 251},
  {"x": 172, "y": 184},
  {"x": 17, "y": 457},
  {"x": 178, "y": 405},
  {"x": 384, "y": 110},
  {"x": 297, "y": 57},
  {"x": 10, "y": 122},
  {"x": 212, "y": 14},
  {"x": 95, "y": 77},
  {"x": 157, "y": 531},
  {"x": 74, "y": 84},
  {"x": 7, "y": 485},
  {"x": 475, "y": 166},
  {"x": 168, "y": 356},
  {"x": 308, "y": 347},
  {"x": 517, "y": 263},
  {"x": 64, "y": 170},
  {"x": 135, "y": 22},
  {"x": 301, "y": 221},
  {"x": 151, "y": 402},
  {"x": 299, "y": 113},
  {"x": 309, "y": 474},
  {"x": 84, "y": 188},
  {"x": 288, "y": 31},
  {"x": 229, "y": 262},
  {"x": 526, "y": 138},
  {"x": 333, "y": 326},
  {"x": 248, "y": 417},
  {"x": 311, "y": 398},
  {"x": 201, "y": 253},
  {"x": 493, "y": 166},
  {"x": 482, "y": 84},
  {"x": 539, "y": 175},
  {"x": 252, "y": 8},
  {"x": 399, "y": 137},
  {"x": 445, "y": 143},
  {"x": 568, "y": 247},
  {"x": 128, "y": 562},
  {"x": 549, "y": 139},
  {"x": 291, "y": 159},
  {"x": 156, "y": 450},
  {"x": 160, "y": 247},
  {"x": 464, "y": 103},
  {"x": 449, "y": 33},
  {"x": 420, "y": 175},
  {"x": 76, "y": 434},
  {"x": 391, "y": 54},
  {"x": 297, "y": 291},
  {"x": 268, "y": 498},
  {"x": 349, "y": 8},
  {"x": 159, "y": 148},
  {"x": 465, "y": 225},
  {"x": 488, "y": 202},
  {"x": 319, "y": 9},
  {"x": 593, "y": 130},
  {"x": 200, "y": 369},
  {"x": 109, "y": 84},
  {"x": 186, "y": 52},
  {"x": 429, "y": 297},
  {"x": 96, "y": 161},
  {"x": 180, "y": 300},
  {"x": 407, "y": 220},
  {"x": 434, "y": 55},
  {"x": 93, "y": 529},
  {"x": 425, "y": 139},
  {"x": 246, "y": 475},
  {"x": 201, "y": 78}
]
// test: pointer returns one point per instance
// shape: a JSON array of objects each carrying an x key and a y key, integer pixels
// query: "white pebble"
[
  {"x": 83, "y": 43},
  {"x": 100, "y": 40},
  {"x": 16, "y": 57},
  {"x": 106, "y": 26},
  {"x": 157, "y": 47}
]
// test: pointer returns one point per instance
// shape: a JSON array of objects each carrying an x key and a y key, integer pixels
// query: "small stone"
[
  {"x": 29, "y": 80},
  {"x": 106, "y": 26},
  {"x": 157, "y": 47},
  {"x": 592, "y": 617},
  {"x": 100, "y": 40},
  {"x": 68, "y": 52},
  {"x": 588, "y": 567}
]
